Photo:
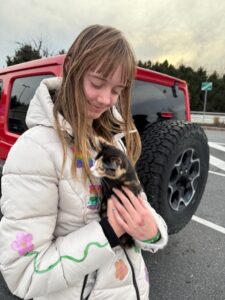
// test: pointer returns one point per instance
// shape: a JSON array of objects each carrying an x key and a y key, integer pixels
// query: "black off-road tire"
[{"x": 173, "y": 169}]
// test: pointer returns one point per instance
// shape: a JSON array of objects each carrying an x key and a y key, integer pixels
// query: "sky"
[{"x": 189, "y": 32}]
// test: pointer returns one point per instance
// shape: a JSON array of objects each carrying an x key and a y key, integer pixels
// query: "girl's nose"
[{"x": 104, "y": 98}]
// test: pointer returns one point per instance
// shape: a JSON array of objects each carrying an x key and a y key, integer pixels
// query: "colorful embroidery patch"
[
  {"x": 121, "y": 269},
  {"x": 23, "y": 243},
  {"x": 94, "y": 199},
  {"x": 80, "y": 161},
  {"x": 95, "y": 189}
]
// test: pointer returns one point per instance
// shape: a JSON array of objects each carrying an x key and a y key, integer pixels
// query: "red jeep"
[{"x": 174, "y": 164}]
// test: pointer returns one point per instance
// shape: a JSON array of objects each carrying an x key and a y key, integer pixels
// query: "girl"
[{"x": 53, "y": 244}]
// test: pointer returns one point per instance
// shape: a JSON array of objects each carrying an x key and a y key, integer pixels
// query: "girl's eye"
[
  {"x": 97, "y": 86},
  {"x": 116, "y": 93}
]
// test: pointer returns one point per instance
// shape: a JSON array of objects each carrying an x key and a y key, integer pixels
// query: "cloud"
[{"x": 188, "y": 31}]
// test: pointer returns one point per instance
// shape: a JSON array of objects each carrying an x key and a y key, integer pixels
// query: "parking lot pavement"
[
  {"x": 191, "y": 267},
  {"x": 5, "y": 294}
]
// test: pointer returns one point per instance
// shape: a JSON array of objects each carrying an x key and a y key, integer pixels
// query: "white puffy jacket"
[{"x": 51, "y": 243}]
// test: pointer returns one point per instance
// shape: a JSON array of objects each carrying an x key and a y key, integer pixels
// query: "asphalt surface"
[{"x": 192, "y": 266}]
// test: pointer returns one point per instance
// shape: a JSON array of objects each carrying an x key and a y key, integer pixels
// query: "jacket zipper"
[
  {"x": 83, "y": 287},
  {"x": 133, "y": 277}
]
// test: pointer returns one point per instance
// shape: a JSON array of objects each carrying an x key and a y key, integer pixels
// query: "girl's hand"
[
  {"x": 111, "y": 210},
  {"x": 133, "y": 215}
]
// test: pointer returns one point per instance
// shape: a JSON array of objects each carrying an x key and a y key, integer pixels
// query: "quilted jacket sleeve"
[{"x": 32, "y": 260}]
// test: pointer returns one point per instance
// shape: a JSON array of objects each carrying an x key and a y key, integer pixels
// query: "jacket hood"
[{"x": 40, "y": 111}]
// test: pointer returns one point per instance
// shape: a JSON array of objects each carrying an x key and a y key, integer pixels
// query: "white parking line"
[
  {"x": 219, "y": 163},
  {"x": 223, "y": 144},
  {"x": 209, "y": 224},
  {"x": 216, "y": 173},
  {"x": 217, "y": 146}
]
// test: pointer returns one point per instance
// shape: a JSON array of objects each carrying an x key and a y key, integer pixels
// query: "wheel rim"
[{"x": 183, "y": 180}]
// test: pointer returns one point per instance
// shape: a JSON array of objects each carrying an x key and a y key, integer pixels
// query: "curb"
[
  {"x": 209, "y": 126},
  {"x": 212, "y": 128}
]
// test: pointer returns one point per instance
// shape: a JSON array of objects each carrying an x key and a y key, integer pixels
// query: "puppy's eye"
[{"x": 117, "y": 161}]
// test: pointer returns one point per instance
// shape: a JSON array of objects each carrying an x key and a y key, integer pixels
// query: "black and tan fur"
[{"x": 115, "y": 170}]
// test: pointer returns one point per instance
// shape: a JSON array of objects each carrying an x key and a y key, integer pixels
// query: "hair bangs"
[{"x": 110, "y": 60}]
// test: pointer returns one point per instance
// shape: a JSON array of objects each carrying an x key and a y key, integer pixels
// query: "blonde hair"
[{"x": 100, "y": 48}]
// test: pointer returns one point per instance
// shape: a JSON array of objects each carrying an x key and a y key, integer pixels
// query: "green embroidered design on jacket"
[{"x": 77, "y": 260}]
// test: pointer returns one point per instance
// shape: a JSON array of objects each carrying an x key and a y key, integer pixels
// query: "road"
[{"x": 192, "y": 266}]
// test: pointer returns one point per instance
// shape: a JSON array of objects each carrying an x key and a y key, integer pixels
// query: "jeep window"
[
  {"x": 150, "y": 99},
  {"x": 22, "y": 92}
]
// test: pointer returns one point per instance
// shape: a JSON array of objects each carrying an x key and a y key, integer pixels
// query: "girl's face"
[{"x": 102, "y": 93}]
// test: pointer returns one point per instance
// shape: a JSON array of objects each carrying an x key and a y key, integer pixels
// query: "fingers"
[
  {"x": 111, "y": 208},
  {"x": 132, "y": 222},
  {"x": 120, "y": 209},
  {"x": 120, "y": 220},
  {"x": 142, "y": 202},
  {"x": 126, "y": 200},
  {"x": 114, "y": 219},
  {"x": 132, "y": 213},
  {"x": 109, "y": 203}
]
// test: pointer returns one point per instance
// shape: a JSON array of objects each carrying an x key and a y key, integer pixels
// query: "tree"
[
  {"x": 194, "y": 80},
  {"x": 27, "y": 52}
]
